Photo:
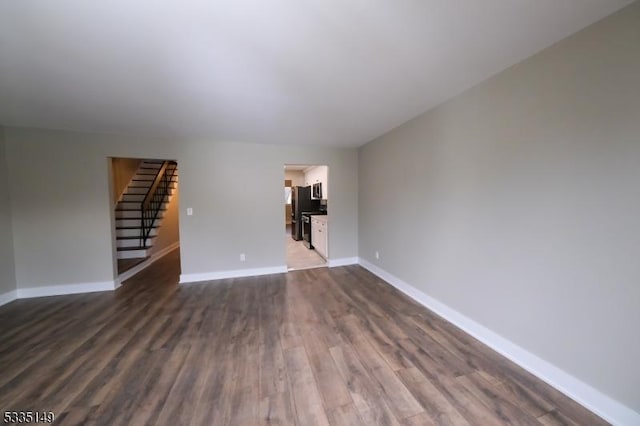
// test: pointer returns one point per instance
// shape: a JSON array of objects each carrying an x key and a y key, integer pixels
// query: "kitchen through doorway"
[{"x": 306, "y": 216}]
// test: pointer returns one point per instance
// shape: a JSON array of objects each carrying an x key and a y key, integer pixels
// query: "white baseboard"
[
  {"x": 343, "y": 262},
  {"x": 8, "y": 297},
  {"x": 210, "y": 276},
  {"x": 139, "y": 267},
  {"x": 58, "y": 290},
  {"x": 591, "y": 398}
]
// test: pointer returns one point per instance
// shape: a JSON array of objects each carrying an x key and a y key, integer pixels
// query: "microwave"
[{"x": 317, "y": 191}]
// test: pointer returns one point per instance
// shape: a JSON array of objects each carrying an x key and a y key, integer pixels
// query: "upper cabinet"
[{"x": 318, "y": 174}]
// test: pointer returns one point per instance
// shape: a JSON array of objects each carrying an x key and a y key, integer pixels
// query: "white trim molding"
[
  {"x": 8, "y": 297},
  {"x": 591, "y": 398},
  {"x": 238, "y": 273},
  {"x": 343, "y": 262},
  {"x": 143, "y": 265},
  {"x": 59, "y": 290}
]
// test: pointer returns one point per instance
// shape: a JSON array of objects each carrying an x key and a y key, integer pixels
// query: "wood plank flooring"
[
  {"x": 125, "y": 264},
  {"x": 320, "y": 346}
]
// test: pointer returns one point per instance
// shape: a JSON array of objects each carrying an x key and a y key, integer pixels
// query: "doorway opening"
[
  {"x": 306, "y": 216},
  {"x": 145, "y": 212}
]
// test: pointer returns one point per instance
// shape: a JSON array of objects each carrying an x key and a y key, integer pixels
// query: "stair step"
[
  {"x": 119, "y": 209},
  {"x": 132, "y": 253},
  {"x": 136, "y": 214},
  {"x": 134, "y": 231},
  {"x": 132, "y": 221},
  {"x": 129, "y": 204},
  {"x": 152, "y": 173},
  {"x": 133, "y": 248},
  {"x": 133, "y": 197},
  {"x": 142, "y": 190},
  {"x": 154, "y": 170},
  {"x": 149, "y": 178},
  {"x": 137, "y": 197},
  {"x": 139, "y": 184},
  {"x": 175, "y": 175},
  {"x": 128, "y": 211},
  {"x": 130, "y": 242},
  {"x": 131, "y": 238}
]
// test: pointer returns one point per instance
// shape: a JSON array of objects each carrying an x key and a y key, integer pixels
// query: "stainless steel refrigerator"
[{"x": 300, "y": 202}]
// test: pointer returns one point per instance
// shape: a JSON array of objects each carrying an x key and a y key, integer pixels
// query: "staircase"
[{"x": 140, "y": 210}]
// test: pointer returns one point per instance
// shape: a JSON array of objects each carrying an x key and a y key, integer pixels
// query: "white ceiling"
[
  {"x": 296, "y": 167},
  {"x": 334, "y": 72}
]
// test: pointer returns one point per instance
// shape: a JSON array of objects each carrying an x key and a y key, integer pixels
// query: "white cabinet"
[
  {"x": 318, "y": 174},
  {"x": 319, "y": 232}
]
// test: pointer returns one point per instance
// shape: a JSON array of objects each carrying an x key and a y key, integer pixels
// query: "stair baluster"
[{"x": 153, "y": 200}]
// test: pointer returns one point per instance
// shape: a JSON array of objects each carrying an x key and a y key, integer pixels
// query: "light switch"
[{"x": 189, "y": 211}]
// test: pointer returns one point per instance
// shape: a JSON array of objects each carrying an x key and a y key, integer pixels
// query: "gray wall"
[
  {"x": 61, "y": 226},
  {"x": 235, "y": 190},
  {"x": 7, "y": 270},
  {"x": 61, "y": 202},
  {"x": 122, "y": 171},
  {"x": 517, "y": 204}
]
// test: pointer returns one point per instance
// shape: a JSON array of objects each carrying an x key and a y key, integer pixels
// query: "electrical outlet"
[
  {"x": 189, "y": 211},
  {"x": 242, "y": 257},
  {"x": 377, "y": 255}
]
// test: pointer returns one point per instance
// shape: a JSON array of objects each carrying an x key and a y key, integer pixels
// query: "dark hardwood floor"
[
  {"x": 321, "y": 346},
  {"x": 125, "y": 264}
]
